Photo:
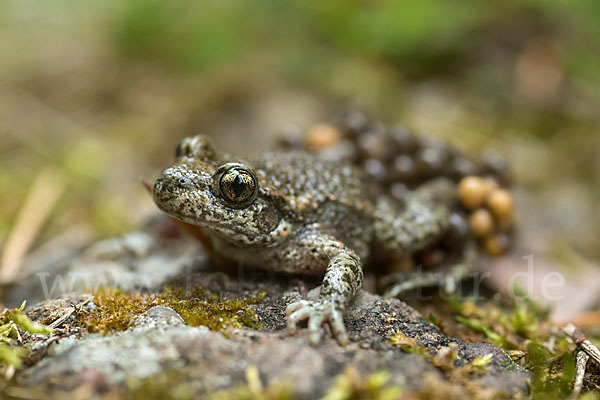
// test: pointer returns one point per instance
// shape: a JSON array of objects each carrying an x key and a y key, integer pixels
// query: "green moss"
[
  {"x": 480, "y": 365},
  {"x": 406, "y": 343},
  {"x": 505, "y": 328},
  {"x": 117, "y": 311},
  {"x": 196, "y": 309},
  {"x": 508, "y": 364},
  {"x": 524, "y": 328},
  {"x": 12, "y": 322},
  {"x": 478, "y": 325},
  {"x": 11, "y": 355},
  {"x": 552, "y": 377}
]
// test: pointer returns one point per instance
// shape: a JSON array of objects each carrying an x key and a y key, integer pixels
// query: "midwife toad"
[{"x": 291, "y": 211}]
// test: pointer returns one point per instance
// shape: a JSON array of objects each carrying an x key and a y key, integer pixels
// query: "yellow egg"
[
  {"x": 491, "y": 184},
  {"x": 322, "y": 136},
  {"x": 481, "y": 223},
  {"x": 501, "y": 203},
  {"x": 496, "y": 245},
  {"x": 472, "y": 191}
]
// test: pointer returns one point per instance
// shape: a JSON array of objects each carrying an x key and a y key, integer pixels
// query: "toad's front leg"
[{"x": 343, "y": 279}]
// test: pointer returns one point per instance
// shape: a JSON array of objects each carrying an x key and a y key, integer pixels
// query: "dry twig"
[
  {"x": 45, "y": 191},
  {"x": 73, "y": 309},
  {"x": 588, "y": 350}
]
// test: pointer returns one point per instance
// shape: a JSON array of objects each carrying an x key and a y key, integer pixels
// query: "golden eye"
[{"x": 238, "y": 185}]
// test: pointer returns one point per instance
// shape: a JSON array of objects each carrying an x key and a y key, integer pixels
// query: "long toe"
[
  {"x": 338, "y": 329},
  {"x": 296, "y": 306},
  {"x": 295, "y": 317},
  {"x": 315, "y": 326}
]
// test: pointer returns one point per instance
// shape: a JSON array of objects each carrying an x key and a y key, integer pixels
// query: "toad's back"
[{"x": 306, "y": 182}]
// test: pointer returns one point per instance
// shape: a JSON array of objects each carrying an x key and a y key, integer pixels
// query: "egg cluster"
[
  {"x": 401, "y": 161},
  {"x": 490, "y": 210}
]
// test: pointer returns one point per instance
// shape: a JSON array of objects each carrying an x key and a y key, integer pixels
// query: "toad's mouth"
[
  {"x": 213, "y": 223},
  {"x": 193, "y": 202},
  {"x": 243, "y": 239},
  {"x": 233, "y": 233}
]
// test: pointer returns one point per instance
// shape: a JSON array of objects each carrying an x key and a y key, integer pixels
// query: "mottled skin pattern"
[{"x": 293, "y": 212}]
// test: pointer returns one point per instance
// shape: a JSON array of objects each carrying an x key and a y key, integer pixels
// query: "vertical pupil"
[{"x": 238, "y": 185}]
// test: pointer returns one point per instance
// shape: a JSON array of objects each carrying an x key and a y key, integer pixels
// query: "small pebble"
[
  {"x": 481, "y": 223},
  {"x": 472, "y": 191}
]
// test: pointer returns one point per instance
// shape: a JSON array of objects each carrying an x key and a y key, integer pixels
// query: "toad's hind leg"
[
  {"x": 421, "y": 222},
  {"x": 401, "y": 232},
  {"x": 448, "y": 278}
]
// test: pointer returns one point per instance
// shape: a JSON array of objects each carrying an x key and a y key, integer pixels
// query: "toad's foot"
[{"x": 318, "y": 313}]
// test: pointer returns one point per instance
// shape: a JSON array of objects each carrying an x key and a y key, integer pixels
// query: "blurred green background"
[{"x": 94, "y": 95}]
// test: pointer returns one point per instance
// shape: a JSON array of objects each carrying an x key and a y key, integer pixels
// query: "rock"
[
  {"x": 160, "y": 352},
  {"x": 137, "y": 353},
  {"x": 160, "y": 317}
]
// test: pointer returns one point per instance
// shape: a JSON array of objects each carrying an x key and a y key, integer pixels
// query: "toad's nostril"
[{"x": 184, "y": 182}]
